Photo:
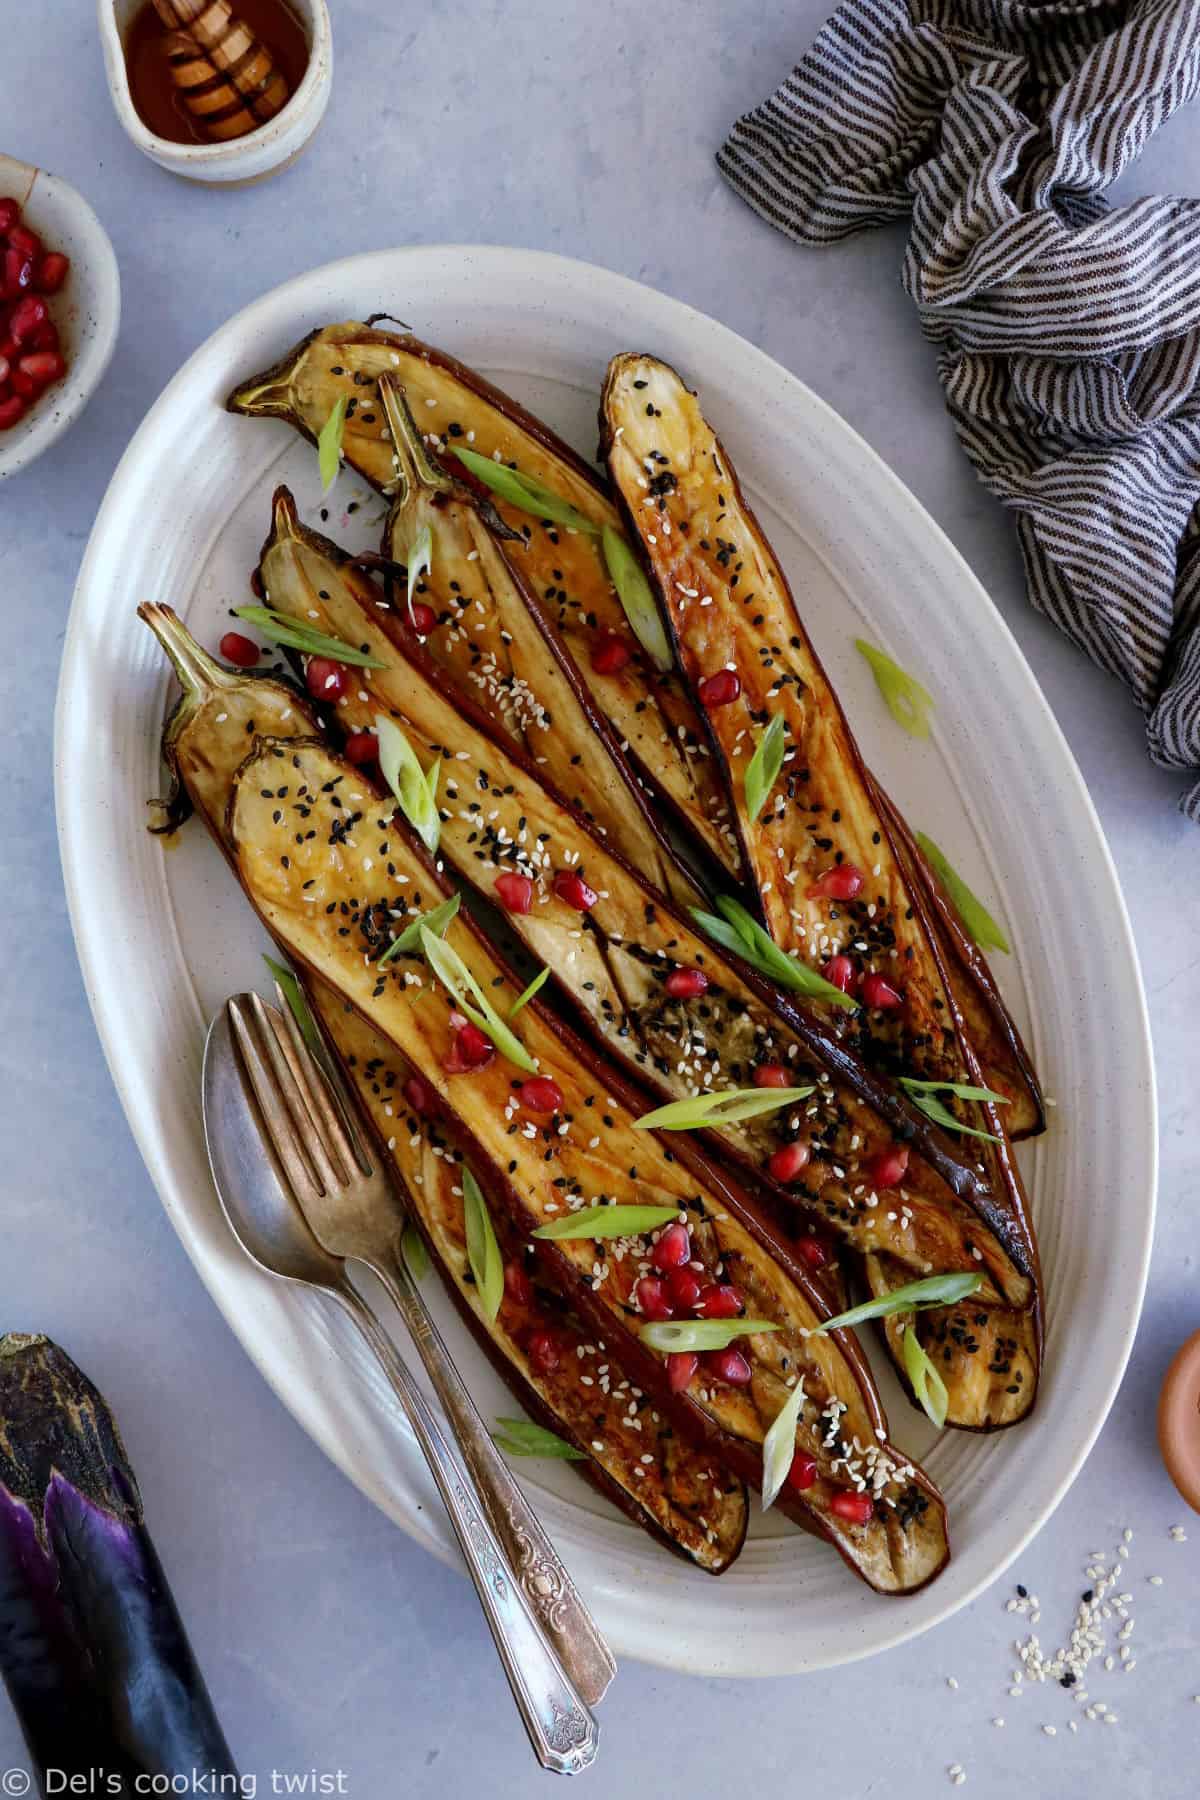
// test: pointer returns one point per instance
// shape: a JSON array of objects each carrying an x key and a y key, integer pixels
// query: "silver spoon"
[{"x": 263, "y": 1216}]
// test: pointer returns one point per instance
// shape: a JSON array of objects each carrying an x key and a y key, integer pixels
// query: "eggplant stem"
[
  {"x": 198, "y": 672},
  {"x": 416, "y": 470}
]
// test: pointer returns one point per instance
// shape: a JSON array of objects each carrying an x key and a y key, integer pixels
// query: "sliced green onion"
[
  {"x": 524, "y": 492},
  {"x": 437, "y": 919},
  {"x": 975, "y": 916},
  {"x": 914, "y": 1296},
  {"x": 779, "y": 1446},
  {"x": 739, "y": 932},
  {"x": 535, "y": 987},
  {"x": 420, "y": 561},
  {"x": 416, "y": 1256},
  {"x": 281, "y": 628},
  {"x": 329, "y": 442},
  {"x": 927, "y": 1384},
  {"x": 925, "y": 1094},
  {"x": 724, "y": 1108},
  {"x": 608, "y": 1221},
  {"x": 699, "y": 1334},
  {"x": 637, "y": 599},
  {"x": 520, "y": 1437},
  {"x": 764, "y": 766},
  {"x": 408, "y": 781},
  {"x": 293, "y": 993},
  {"x": 470, "y": 998},
  {"x": 909, "y": 703},
  {"x": 483, "y": 1252}
]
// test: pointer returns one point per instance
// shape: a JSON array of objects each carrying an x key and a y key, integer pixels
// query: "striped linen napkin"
[{"x": 1068, "y": 330}]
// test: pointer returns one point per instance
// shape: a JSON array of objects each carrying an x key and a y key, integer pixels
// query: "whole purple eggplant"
[{"x": 92, "y": 1648}]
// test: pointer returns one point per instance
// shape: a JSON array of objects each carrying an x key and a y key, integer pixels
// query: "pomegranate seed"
[
  {"x": 46, "y": 336},
  {"x": 10, "y": 213},
  {"x": 416, "y": 1093},
  {"x": 886, "y": 1168},
  {"x": 672, "y": 1247},
  {"x": 29, "y": 312},
  {"x": 24, "y": 384},
  {"x": 651, "y": 1296},
  {"x": 610, "y": 653},
  {"x": 681, "y": 1366},
  {"x": 515, "y": 892},
  {"x": 517, "y": 1284},
  {"x": 685, "y": 984},
  {"x": 239, "y": 650},
  {"x": 727, "y": 1365},
  {"x": 812, "y": 1251},
  {"x": 5, "y": 369},
  {"x": 362, "y": 749},
  {"x": 788, "y": 1161},
  {"x": 52, "y": 271},
  {"x": 879, "y": 993},
  {"x": 541, "y": 1095},
  {"x": 771, "y": 1075},
  {"x": 574, "y": 891},
  {"x": 543, "y": 1352},
  {"x": 720, "y": 689},
  {"x": 470, "y": 1050},
  {"x": 18, "y": 274},
  {"x": 839, "y": 971},
  {"x": 859, "y": 1509},
  {"x": 720, "y": 1300},
  {"x": 27, "y": 242},
  {"x": 423, "y": 618},
  {"x": 841, "y": 882},
  {"x": 326, "y": 680},
  {"x": 803, "y": 1471},
  {"x": 684, "y": 1288},
  {"x": 11, "y": 409}
]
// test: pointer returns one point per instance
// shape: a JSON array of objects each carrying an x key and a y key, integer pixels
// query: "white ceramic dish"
[
  {"x": 163, "y": 937},
  {"x": 267, "y": 151},
  {"x": 87, "y": 310}
]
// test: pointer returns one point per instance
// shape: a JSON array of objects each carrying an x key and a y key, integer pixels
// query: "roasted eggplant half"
[
  {"x": 835, "y": 887},
  {"x": 649, "y": 708},
  {"x": 683, "y": 1018},
  {"x": 536, "y": 1341},
  {"x": 553, "y": 1130}
]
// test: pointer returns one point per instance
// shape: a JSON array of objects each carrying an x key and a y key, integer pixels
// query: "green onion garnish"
[
  {"x": 608, "y": 1221},
  {"x": 699, "y": 1334},
  {"x": 293, "y": 993},
  {"x": 470, "y": 998},
  {"x": 975, "y": 916},
  {"x": 925, "y": 1094},
  {"x": 329, "y": 442},
  {"x": 724, "y": 1108},
  {"x": 416, "y": 1256},
  {"x": 634, "y": 593},
  {"x": 281, "y": 628},
  {"x": 420, "y": 561},
  {"x": 408, "y": 781},
  {"x": 739, "y": 932},
  {"x": 524, "y": 492},
  {"x": 535, "y": 987},
  {"x": 764, "y": 766},
  {"x": 437, "y": 919},
  {"x": 520, "y": 1437},
  {"x": 483, "y": 1252},
  {"x": 779, "y": 1446},
  {"x": 914, "y": 1296},
  {"x": 927, "y": 1384},
  {"x": 908, "y": 702}
]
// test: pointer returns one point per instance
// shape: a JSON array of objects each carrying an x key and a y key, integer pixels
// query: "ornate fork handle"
[
  {"x": 548, "y": 1586},
  {"x": 562, "y": 1731}
]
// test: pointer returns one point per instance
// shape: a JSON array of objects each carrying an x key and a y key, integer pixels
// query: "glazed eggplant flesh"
[
  {"x": 650, "y": 711},
  {"x": 832, "y": 884},
  {"x": 491, "y": 637},
  {"x": 322, "y": 859},
  {"x": 614, "y": 958},
  {"x": 683, "y": 1498}
]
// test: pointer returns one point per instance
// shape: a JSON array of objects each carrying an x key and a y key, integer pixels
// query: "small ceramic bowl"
[
  {"x": 274, "y": 146},
  {"x": 87, "y": 309}
]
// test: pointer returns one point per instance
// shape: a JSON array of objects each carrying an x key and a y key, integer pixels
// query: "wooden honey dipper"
[{"x": 227, "y": 79}]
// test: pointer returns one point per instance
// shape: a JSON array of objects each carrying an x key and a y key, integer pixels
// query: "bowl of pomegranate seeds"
[{"x": 60, "y": 306}]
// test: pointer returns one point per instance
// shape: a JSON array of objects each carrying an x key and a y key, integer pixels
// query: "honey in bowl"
[{"x": 153, "y": 84}]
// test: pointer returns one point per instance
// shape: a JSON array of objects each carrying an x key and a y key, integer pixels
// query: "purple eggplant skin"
[{"x": 92, "y": 1648}]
